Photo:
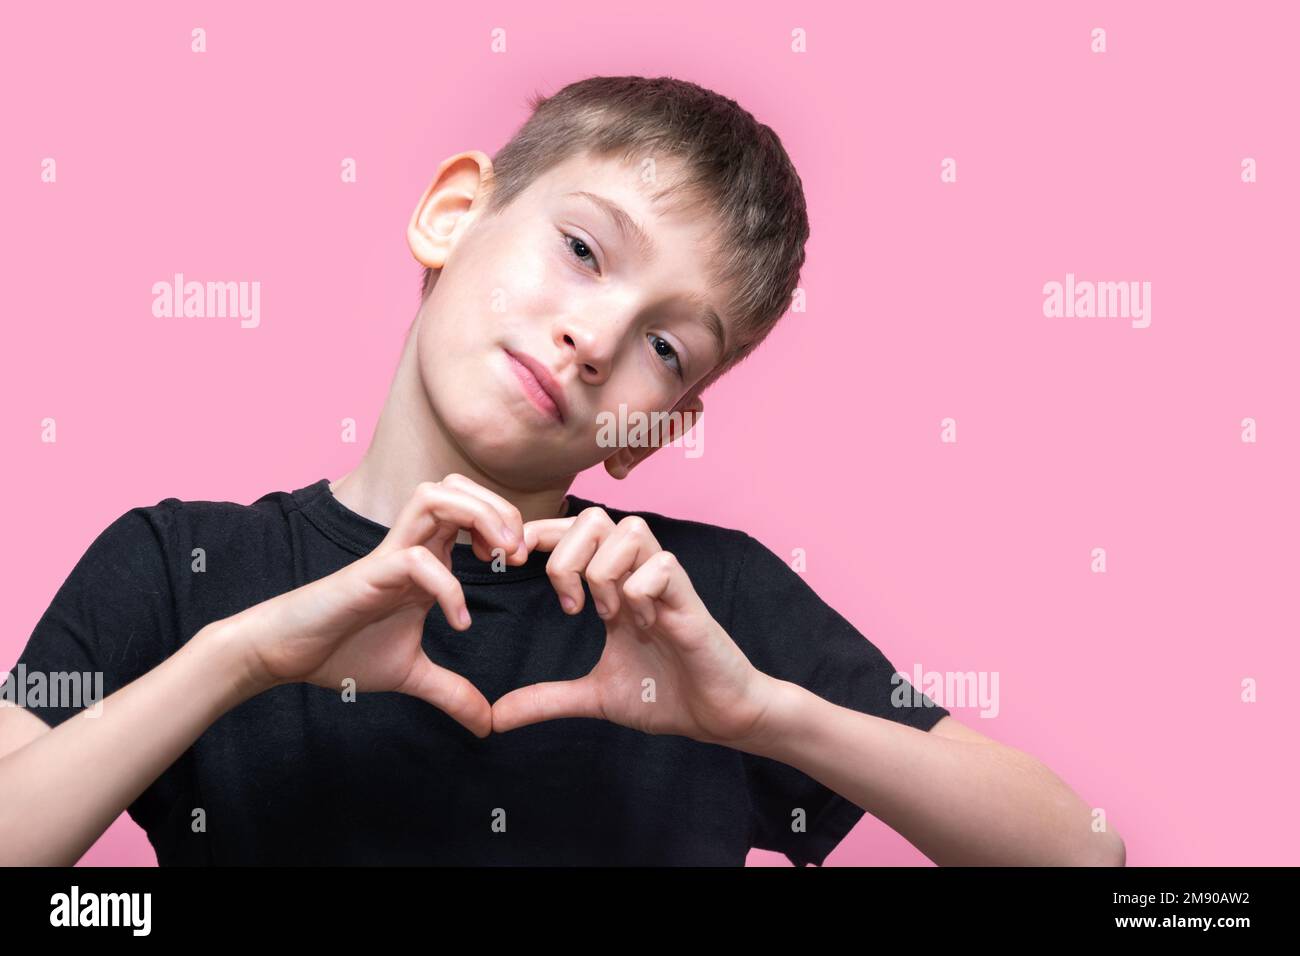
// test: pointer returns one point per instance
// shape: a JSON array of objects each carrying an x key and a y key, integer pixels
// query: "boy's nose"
[{"x": 592, "y": 350}]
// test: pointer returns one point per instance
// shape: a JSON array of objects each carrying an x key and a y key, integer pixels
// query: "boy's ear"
[
  {"x": 620, "y": 464},
  {"x": 448, "y": 206}
]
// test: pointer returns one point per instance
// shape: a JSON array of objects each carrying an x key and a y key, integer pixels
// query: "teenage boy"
[{"x": 597, "y": 686}]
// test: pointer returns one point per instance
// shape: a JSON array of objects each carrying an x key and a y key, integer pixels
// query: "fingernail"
[
  {"x": 509, "y": 535},
  {"x": 568, "y": 602},
  {"x": 464, "y": 616},
  {"x": 600, "y": 609}
]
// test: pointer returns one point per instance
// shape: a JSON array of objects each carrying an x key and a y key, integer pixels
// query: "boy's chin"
[{"x": 521, "y": 462}]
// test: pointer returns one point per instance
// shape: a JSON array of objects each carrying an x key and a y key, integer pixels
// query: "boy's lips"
[{"x": 539, "y": 384}]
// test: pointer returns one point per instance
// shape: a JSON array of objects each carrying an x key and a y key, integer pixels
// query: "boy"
[{"x": 662, "y": 691}]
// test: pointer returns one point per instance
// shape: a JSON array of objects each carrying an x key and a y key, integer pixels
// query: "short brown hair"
[{"x": 731, "y": 164}]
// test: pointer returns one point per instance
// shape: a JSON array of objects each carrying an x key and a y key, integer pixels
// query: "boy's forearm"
[
  {"x": 61, "y": 791},
  {"x": 961, "y": 803}
]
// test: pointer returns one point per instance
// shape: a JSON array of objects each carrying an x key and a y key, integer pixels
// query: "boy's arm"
[
  {"x": 958, "y": 796},
  {"x": 65, "y": 786}
]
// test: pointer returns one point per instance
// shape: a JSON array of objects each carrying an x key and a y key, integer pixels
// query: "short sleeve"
[
  {"x": 787, "y": 631},
  {"x": 111, "y": 621}
]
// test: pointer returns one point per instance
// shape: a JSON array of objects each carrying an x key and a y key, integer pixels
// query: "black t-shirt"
[{"x": 298, "y": 775}]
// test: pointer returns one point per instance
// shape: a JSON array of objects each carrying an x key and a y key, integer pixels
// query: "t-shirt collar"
[{"x": 361, "y": 535}]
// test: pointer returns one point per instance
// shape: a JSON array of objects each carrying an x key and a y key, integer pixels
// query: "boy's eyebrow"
[
  {"x": 630, "y": 228},
  {"x": 712, "y": 322}
]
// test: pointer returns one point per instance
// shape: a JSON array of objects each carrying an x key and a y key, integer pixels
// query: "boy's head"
[{"x": 534, "y": 255}]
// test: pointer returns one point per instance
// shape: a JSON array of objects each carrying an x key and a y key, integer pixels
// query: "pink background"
[{"x": 924, "y": 302}]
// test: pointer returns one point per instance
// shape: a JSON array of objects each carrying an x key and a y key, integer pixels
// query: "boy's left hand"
[{"x": 677, "y": 673}]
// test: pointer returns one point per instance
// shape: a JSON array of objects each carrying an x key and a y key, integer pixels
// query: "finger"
[
  {"x": 660, "y": 584},
  {"x": 439, "y": 513},
  {"x": 626, "y": 549},
  {"x": 571, "y": 553},
  {"x": 436, "y": 581},
  {"x": 436, "y": 512},
  {"x": 511, "y": 517},
  {"x": 488, "y": 551},
  {"x": 450, "y": 693},
  {"x": 545, "y": 701},
  {"x": 543, "y": 534}
]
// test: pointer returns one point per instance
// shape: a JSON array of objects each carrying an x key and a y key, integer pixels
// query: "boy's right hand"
[{"x": 366, "y": 620}]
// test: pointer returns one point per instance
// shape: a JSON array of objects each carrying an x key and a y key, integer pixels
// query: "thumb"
[
  {"x": 450, "y": 693},
  {"x": 546, "y": 701}
]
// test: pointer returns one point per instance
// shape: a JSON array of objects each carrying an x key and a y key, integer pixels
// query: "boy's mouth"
[{"x": 538, "y": 384}]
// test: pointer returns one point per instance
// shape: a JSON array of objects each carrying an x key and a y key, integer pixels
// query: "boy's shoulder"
[
  {"x": 685, "y": 529},
  {"x": 707, "y": 549},
  {"x": 722, "y": 562},
  {"x": 174, "y": 522}
]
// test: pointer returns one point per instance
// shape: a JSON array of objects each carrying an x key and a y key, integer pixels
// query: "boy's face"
[{"x": 554, "y": 282}]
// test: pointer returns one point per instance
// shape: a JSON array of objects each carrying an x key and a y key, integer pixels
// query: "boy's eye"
[
  {"x": 664, "y": 349},
  {"x": 580, "y": 250}
]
